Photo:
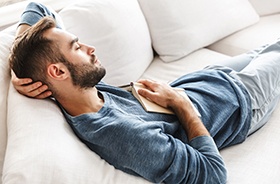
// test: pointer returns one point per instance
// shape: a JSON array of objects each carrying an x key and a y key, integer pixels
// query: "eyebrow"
[{"x": 73, "y": 42}]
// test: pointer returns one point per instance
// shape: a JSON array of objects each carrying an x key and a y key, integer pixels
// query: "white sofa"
[{"x": 156, "y": 39}]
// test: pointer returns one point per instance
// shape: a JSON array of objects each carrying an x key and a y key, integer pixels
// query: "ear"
[{"x": 57, "y": 71}]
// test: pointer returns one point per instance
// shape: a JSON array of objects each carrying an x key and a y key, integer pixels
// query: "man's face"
[{"x": 84, "y": 66}]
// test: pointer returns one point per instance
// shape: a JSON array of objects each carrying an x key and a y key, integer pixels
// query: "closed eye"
[
  {"x": 74, "y": 42},
  {"x": 78, "y": 47}
]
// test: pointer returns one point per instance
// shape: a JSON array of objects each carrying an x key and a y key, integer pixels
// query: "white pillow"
[
  {"x": 42, "y": 148},
  {"x": 180, "y": 27},
  {"x": 266, "y": 7},
  {"x": 5, "y": 43},
  {"x": 118, "y": 31}
]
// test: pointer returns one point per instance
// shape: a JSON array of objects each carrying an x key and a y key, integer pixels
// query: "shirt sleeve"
[
  {"x": 36, "y": 11},
  {"x": 144, "y": 149}
]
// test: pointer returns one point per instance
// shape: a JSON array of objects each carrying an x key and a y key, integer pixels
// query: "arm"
[
  {"x": 165, "y": 96},
  {"x": 199, "y": 161},
  {"x": 148, "y": 149},
  {"x": 32, "y": 14}
]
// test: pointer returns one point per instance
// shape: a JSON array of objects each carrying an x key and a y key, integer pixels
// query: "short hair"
[{"x": 31, "y": 52}]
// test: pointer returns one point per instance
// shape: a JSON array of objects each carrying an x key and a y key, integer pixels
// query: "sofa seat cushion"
[
  {"x": 257, "y": 159},
  {"x": 166, "y": 72},
  {"x": 265, "y": 31}
]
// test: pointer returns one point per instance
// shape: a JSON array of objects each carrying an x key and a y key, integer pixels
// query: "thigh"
[
  {"x": 239, "y": 62},
  {"x": 262, "y": 115},
  {"x": 236, "y": 63},
  {"x": 261, "y": 77}
]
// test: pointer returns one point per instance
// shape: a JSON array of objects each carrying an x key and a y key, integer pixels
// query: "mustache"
[{"x": 93, "y": 58}]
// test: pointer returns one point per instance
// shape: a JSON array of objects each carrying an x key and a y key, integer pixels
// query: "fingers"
[
  {"x": 158, "y": 92},
  {"x": 149, "y": 88},
  {"x": 43, "y": 95},
  {"x": 25, "y": 86},
  {"x": 21, "y": 82},
  {"x": 18, "y": 82},
  {"x": 33, "y": 90},
  {"x": 149, "y": 84},
  {"x": 154, "y": 86},
  {"x": 154, "y": 91},
  {"x": 146, "y": 93}
]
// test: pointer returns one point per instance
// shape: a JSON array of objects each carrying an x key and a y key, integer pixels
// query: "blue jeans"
[{"x": 259, "y": 71}]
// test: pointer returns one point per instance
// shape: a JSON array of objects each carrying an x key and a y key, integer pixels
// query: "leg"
[
  {"x": 261, "y": 77},
  {"x": 239, "y": 62}
]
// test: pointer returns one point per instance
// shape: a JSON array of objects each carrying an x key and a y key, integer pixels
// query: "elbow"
[
  {"x": 219, "y": 173},
  {"x": 221, "y": 176}
]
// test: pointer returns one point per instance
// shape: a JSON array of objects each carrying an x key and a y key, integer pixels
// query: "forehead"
[{"x": 60, "y": 37}]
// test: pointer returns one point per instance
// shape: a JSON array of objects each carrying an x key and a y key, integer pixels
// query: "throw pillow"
[
  {"x": 266, "y": 7},
  {"x": 180, "y": 27}
]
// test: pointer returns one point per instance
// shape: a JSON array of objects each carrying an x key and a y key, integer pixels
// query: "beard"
[{"x": 86, "y": 75}]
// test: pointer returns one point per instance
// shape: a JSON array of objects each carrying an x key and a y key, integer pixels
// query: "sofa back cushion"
[
  {"x": 5, "y": 44},
  {"x": 118, "y": 31},
  {"x": 180, "y": 27},
  {"x": 42, "y": 148},
  {"x": 267, "y": 7}
]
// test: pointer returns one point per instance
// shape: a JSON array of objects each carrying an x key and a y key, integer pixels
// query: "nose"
[{"x": 90, "y": 49}]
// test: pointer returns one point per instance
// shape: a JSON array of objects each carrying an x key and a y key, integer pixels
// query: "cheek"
[{"x": 83, "y": 59}]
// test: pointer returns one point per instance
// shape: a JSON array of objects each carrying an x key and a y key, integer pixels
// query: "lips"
[{"x": 94, "y": 59}]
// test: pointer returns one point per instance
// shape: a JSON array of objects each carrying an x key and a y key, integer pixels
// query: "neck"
[{"x": 81, "y": 101}]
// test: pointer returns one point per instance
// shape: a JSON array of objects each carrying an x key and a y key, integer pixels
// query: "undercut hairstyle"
[{"x": 32, "y": 52}]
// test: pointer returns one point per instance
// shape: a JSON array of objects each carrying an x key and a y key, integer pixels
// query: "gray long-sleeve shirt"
[{"x": 154, "y": 145}]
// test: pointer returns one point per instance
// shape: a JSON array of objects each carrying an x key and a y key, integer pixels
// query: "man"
[{"x": 176, "y": 148}]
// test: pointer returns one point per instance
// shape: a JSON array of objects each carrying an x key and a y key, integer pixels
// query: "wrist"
[
  {"x": 188, "y": 118},
  {"x": 175, "y": 101}
]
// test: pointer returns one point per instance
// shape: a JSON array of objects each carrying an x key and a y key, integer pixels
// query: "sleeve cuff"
[{"x": 204, "y": 144}]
